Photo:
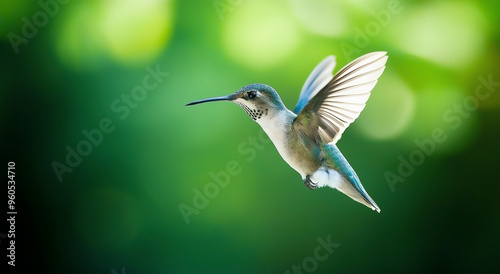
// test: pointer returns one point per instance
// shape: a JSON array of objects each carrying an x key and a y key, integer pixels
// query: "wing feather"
[
  {"x": 319, "y": 77},
  {"x": 339, "y": 102}
]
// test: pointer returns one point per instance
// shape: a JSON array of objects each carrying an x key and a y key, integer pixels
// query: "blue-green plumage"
[
  {"x": 339, "y": 163},
  {"x": 306, "y": 138}
]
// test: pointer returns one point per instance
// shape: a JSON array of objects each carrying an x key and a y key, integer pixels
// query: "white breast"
[{"x": 277, "y": 126}]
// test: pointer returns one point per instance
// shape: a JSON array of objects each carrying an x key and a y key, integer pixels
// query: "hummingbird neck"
[{"x": 277, "y": 125}]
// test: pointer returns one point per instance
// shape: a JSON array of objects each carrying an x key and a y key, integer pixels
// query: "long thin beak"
[{"x": 221, "y": 98}]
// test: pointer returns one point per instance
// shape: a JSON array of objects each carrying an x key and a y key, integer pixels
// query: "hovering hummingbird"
[{"x": 306, "y": 138}]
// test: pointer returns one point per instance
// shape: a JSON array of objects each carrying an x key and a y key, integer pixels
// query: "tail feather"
[
  {"x": 350, "y": 184},
  {"x": 361, "y": 197}
]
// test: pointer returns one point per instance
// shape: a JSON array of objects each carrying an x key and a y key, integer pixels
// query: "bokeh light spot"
[
  {"x": 321, "y": 16},
  {"x": 136, "y": 30},
  {"x": 78, "y": 42},
  {"x": 431, "y": 103},
  {"x": 389, "y": 109},
  {"x": 365, "y": 6},
  {"x": 259, "y": 34},
  {"x": 444, "y": 109},
  {"x": 451, "y": 34},
  {"x": 131, "y": 32}
]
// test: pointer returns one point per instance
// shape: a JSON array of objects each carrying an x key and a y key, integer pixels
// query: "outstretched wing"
[
  {"x": 319, "y": 77},
  {"x": 341, "y": 101}
]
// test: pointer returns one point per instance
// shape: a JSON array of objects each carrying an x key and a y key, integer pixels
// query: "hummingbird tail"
[
  {"x": 349, "y": 184},
  {"x": 336, "y": 180},
  {"x": 348, "y": 189}
]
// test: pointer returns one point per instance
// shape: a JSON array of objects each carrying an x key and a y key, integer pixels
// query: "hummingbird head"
[{"x": 257, "y": 100}]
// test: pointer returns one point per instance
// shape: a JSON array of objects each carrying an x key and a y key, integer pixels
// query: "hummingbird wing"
[
  {"x": 319, "y": 77},
  {"x": 342, "y": 99}
]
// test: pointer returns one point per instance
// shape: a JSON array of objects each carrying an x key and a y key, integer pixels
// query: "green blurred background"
[{"x": 67, "y": 67}]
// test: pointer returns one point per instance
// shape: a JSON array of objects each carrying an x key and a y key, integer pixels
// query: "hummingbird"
[{"x": 306, "y": 138}]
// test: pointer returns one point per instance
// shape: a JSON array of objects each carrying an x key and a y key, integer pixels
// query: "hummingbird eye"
[{"x": 252, "y": 94}]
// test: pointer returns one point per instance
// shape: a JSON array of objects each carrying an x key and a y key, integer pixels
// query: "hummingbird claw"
[{"x": 309, "y": 184}]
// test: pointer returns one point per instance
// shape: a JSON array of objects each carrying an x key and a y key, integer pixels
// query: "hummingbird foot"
[{"x": 309, "y": 184}]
